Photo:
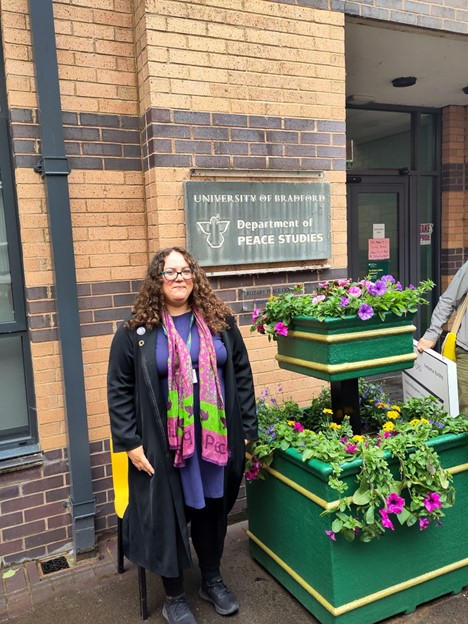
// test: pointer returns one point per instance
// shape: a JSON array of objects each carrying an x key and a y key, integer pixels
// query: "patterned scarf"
[{"x": 180, "y": 416}]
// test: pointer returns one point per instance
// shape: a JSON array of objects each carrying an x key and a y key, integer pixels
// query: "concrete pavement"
[{"x": 91, "y": 592}]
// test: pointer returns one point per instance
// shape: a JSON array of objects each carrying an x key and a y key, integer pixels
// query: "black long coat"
[{"x": 154, "y": 524}]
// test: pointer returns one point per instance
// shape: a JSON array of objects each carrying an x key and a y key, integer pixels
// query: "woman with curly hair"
[{"x": 182, "y": 405}]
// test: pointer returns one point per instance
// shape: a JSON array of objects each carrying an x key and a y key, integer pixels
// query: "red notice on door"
[{"x": 378, "y": 248}]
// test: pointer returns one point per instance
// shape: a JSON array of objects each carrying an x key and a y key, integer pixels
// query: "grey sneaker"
[
  {"x": 223, "y": 599},
  {"x": 176, "y": 610}
]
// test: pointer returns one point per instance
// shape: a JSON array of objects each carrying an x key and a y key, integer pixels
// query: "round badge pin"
[{"x": 140, "y": 331}]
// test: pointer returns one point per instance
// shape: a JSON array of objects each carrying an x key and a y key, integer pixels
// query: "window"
[{"x": 18, "y": 431}]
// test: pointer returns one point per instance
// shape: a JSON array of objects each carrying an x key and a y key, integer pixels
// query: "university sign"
[{"x": 257, "y": 222}]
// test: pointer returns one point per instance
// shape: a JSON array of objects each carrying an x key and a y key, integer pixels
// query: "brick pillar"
[{"x": 454, "y": 240}]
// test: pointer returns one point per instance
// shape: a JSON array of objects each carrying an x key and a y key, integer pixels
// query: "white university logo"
[{"x": 214, "y": 230}]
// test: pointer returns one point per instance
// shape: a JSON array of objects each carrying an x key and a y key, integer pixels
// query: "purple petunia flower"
[
  {"x": 365, "y": 312},
  {"x": 423, "y": 523},
  {"x": 394, "y": 503},
  {"x": 331, "y": 535},
  {"x": 298, "y": 427},
  {"x": 281, "y": 329},
  {"x": 342, "y": 282},
  {"x": 398, "y": 286},
  {"x": 432, "y": 502},
  {"x": 344, "y": 301},
  {"x": 411, "y": 287},
  {"x": 351, "y": 448},
  {"x": 388, "y": 278},
  {"x": 377, "y": 289},
  {"x": 386, "y": 522}
]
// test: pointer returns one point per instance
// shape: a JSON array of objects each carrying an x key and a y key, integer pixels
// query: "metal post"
[
  {"x": 345, "y": 402},
  {"x": 54, "y": 171}
]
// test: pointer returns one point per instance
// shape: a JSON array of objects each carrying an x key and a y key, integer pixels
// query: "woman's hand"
[
  {"x": 424, "y": 344},
  {"x": 140, "y": 461}
]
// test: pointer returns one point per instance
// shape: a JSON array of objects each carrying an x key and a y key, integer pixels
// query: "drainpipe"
[{"x": 54, "y": 170}]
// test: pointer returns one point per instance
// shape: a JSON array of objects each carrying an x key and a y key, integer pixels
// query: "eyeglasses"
[{"x": 171, "y": 274}]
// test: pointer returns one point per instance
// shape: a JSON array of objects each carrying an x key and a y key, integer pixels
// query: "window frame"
[{"x": 23, "y": 441}]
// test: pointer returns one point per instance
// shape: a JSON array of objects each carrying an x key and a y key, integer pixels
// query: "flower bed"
[
  {"x": 337, "y": 299},
  {"x": 359, "y": 528},
  {"x": 400, "y": 476}
]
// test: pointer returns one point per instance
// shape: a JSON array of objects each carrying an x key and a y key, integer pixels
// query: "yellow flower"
[
  {"x": 425, "y": 421},
  {"x": 272, "y": 298},
  {"x": 389, "y": 426},
  {"x": 414, "y": 422},
  {"x": 290, "y": 423},
  {"x": 327, "y": 411},
  {"x": 393, "y": 414},
  {"x": 334, "y": 426},
  {"x": 396, "y": 408},
  {"x": 358, "y": 438}
]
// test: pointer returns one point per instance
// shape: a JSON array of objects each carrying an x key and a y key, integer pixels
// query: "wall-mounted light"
[
  {"x": 404, "y": 81},
  {"x": 465, "y": 90}
]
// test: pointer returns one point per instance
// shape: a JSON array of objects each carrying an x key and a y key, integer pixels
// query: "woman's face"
[{"x": 177, "y": 292}]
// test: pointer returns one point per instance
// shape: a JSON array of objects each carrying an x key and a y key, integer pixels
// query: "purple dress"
[{"x": 200, "y": 479}]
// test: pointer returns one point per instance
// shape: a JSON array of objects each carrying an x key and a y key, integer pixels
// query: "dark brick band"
[
  {"x": 104, "y": 304},
  {"x": 175, "y": 138},
  {"x": 454, "y": 177},
  {"x": 92, "y": 141}
]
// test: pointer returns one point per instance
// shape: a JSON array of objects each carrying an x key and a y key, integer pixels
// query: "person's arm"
[
  {"x": 448, "y": 302},
  {"x": 244, "y": 383},
  {"x": 120, "y": 395}
]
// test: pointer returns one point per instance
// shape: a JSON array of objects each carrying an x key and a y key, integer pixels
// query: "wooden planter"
[
  {"x": 338, "y": 349},
  {"x": 355, "y": 583}
]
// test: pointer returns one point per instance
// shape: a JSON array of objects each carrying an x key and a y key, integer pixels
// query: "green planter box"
[
  {"x": 355, "y": 583},
  {"x": 338, "y": 349}
]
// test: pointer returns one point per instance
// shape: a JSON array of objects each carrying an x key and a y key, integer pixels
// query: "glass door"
[{"x": 379, "y": 227}]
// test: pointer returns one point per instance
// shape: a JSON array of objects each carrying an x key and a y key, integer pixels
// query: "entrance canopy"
[{"x": 377, "y": 54}]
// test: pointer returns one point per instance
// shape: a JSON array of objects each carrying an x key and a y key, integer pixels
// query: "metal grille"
[{"x": 54, "y": 565}]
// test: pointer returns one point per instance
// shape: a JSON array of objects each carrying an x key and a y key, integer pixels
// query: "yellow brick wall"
[
  {"x": 257, "y": 57},
  {"x": 97, "y": 71},
  {"x": 124, "y": 57}
]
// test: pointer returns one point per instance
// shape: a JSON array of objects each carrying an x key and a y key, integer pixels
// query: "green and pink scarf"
[{"x": 180, "y": 416}]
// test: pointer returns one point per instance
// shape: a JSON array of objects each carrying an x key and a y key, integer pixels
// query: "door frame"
[{"x": 408, "y": 257}]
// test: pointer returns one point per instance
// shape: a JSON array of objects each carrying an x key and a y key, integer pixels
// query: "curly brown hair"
[{"x": 149, "y": 305}]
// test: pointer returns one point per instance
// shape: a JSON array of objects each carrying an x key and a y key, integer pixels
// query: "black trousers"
[{"x": 208, "y": 531}]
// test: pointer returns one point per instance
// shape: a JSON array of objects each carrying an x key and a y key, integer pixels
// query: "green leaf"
[
  {"x": 412, "y": 519},
  {"x": 349, "y": 535},
  {"x": 361, "y": 497},
  {"x": 369, "y": 515},
  {"x": 337, "y": 525},
  {"x": 444, "y": 482},
  {"x": 403, "y": 516}
]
